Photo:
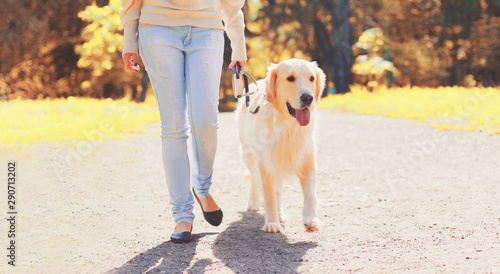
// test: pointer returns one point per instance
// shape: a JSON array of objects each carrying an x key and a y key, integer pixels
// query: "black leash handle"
[
  {"x": 245, "y": 78},
  {"x": 238, "y": 69}
]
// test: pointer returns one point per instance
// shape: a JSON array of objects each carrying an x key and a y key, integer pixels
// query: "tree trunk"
[{"x": 339, "y": 11}]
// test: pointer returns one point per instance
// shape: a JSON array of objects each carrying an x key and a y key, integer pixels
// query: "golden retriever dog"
[{"x": 276, "y": 134}]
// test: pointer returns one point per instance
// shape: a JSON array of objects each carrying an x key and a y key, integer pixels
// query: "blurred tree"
[
  {"x": 493, "y": 7},
  {"x": 103, "y": 37},
  {"x": 100, "y": 53},
  {"x": 314, "y": 30},
  {"x": 432, "y": 42},
  {"x": 342, "y": 75},
  {"x": 411, "y": 39},
  {"x": 483, "y": 50},
  {"x": 459, "y": 17},
  {"x": 279, "y": 30},
  {"x": 370, "y": 67},
  {"x": 37, "y": 49},
  {"x": 435, "y": 42}
]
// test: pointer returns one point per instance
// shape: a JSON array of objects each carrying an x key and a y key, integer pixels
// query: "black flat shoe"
[
  {"x": 213, "y": 217},
  {"x": 182, "y": 238}
]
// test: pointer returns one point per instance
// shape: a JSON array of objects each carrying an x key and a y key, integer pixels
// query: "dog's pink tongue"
[{"x": 303, "y": 116}]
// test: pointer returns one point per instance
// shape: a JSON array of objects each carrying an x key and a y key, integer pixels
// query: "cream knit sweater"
[{"x": 196, "y": 13}]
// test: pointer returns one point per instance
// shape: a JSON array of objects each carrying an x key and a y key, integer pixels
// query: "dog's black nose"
[{"x": 306, "y": 99}]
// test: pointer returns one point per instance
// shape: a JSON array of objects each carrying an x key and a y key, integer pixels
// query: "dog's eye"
[
  {"x": 311, "y": 78},
  {"x": 291, "y": 79}
]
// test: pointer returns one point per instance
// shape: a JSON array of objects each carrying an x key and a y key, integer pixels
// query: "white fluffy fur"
[{"x": 275, "y": 146}]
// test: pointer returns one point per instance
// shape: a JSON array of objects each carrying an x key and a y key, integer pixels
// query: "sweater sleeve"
[
  {"x": 129, "y": 16},
  {"x": 234, "y": 24}
]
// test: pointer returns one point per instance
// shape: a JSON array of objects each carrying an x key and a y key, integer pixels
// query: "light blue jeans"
[{"x": 185, "y": 65}]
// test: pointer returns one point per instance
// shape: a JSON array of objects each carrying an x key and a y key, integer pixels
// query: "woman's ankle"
[
  {"x": 183, "y": 227},
  {"x": 208, "y": 203}
]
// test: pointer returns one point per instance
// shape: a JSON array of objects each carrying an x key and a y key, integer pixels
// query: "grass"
[
  {"x": 27, "y": 121},
  {"x": 472, "y": 109}
]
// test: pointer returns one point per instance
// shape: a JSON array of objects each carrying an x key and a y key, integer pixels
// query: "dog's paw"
[
  {"x": 272, "y": 227},
  {"x": 311, "y": 224}
]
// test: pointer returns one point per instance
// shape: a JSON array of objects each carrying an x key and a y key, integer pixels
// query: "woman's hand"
[
  {"x": 130, "y": 60},
  {"x": 242, "y": 63}
]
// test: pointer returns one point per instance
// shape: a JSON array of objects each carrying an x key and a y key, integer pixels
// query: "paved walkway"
[{"x": 394, "y": 195}]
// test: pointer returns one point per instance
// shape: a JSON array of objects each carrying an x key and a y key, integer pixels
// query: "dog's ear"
[
  {"x": 271, "y": 81},
  {"x": 320, "y": 82}
]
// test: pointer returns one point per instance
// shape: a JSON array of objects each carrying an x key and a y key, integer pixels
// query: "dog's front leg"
[
  {"x": 278, "y": 185},
  {"x": 308, "y": 184},
  {"x": 255, "y": 193},
  {"x": 272, "y": 222}
]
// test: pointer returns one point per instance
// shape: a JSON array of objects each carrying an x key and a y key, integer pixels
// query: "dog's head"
[{"x": 294, "y": 87}]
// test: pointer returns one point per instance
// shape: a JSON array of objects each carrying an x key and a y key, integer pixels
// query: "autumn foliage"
[{"x": 62, "y": 48}]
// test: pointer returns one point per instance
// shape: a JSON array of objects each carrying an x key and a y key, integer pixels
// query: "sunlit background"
[{"x": 435, "y": 61}]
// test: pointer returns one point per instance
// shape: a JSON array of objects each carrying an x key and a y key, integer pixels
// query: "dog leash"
[
  {"x": 239, "y": 71},
  {"x": 248, "y": 97}
]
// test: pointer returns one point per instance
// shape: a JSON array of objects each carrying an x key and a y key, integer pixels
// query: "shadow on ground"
[
  {"x": 243, "y": 247},
  {"x": 167, "y": 257}
]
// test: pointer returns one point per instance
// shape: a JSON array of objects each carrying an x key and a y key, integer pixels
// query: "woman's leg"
[
  {"x": 204, "y": 59},
  {"x": 161, "y": 49}
]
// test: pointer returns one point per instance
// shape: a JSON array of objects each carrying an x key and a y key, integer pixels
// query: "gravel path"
[{"x": 394, "y": 195}]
